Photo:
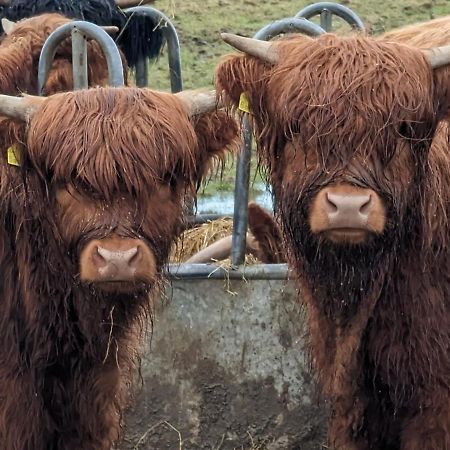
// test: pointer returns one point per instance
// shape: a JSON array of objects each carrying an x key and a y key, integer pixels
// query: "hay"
[{"x": 195, "y": 239}]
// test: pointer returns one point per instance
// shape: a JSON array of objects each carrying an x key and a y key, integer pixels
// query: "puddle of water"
[{"x": 223, "y": 202}]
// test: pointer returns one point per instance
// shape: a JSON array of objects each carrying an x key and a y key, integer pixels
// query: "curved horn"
[
  {"x": 260, "y": 49},
  {"x": 8, "y": 25},
  {"x": 110, "y": 29},
  {"x": 199, "y": 102},
  {"x": 21, "y": 108},
  {"x": 438, "y": 56}
]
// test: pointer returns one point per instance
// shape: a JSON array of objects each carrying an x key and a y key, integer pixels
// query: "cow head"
[
  {"x": 117, "y": 165},
  {"x": 20, "y": 49},
  {"x": 344, "y": 126}
]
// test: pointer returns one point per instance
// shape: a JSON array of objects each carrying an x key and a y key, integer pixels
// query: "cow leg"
[
  {"x": 430, "y": 428},
  {"x": 97, "y": 399},
  {"x": 22, "y": 421},
  {"x": 345, "y": 424}
]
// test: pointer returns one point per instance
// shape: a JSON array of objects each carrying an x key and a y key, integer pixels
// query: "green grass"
[{"x": 200, "y": 22}]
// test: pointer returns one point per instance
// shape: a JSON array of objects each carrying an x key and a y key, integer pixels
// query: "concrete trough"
[{"x": 225, "y": 369}]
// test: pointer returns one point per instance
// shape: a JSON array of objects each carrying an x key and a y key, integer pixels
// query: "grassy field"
[{"x": 200, "y": 22}]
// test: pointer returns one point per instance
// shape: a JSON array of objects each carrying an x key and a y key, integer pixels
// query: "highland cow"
[
  {"x": 21, "y": 47},
  {"x": 139, "y": 37},
  {"x": 87, "y": 221},
  {"x": 345, "y": 127}
]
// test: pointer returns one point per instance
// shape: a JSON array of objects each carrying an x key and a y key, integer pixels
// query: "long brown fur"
[
  {"x": 364, "y": 112},
  {"x": 67, "y": 349}
]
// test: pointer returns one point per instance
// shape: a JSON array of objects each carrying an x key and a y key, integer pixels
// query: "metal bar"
[
  {"x": 91, "y": 31},
  {"x": 334, "y": 8},
  {"x": 241, "y": 190},
  {"x": 213, "y": 271},
  {"x": 173, "y": 44},
  {"x": 79, "y": 60},
  {"x": 325, "y": 20},
  {"x": 142, "y": 73},
  {"x": 204, "y": 218},
  {"x": 291, "y": 25},
  {"x": 241, "y": 194}
]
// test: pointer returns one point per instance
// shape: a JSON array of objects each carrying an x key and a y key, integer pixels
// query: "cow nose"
[
  {"x": 113, "y": 264},
  {"x": 347, "y": 210},
  {"x": 117, "y": 259}
]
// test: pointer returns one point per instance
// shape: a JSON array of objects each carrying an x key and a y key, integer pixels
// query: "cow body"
[
  {"x": 87, "y": 222},
  {"x": 345, "y": 127}
]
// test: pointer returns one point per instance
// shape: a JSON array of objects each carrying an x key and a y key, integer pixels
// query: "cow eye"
[{"x": 170, "y": 179}]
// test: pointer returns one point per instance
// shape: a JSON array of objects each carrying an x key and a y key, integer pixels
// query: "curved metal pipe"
[
  {"x": 173, "y": 45},
  {"x": 325, "y": 9},
  {"x": 112, "y": 55}
]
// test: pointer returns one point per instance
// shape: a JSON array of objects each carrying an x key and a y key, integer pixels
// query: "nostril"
[
  {"x": 331, "y": 206},
  {"x": 136, "y": 257},
  {"x": 97, "y": 258},
  {"x": 366, "y": 206}
]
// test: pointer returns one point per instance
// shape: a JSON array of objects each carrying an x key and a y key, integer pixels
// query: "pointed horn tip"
[{"x": 110, "y": 29}]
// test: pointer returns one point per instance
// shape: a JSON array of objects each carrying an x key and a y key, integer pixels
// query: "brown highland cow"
[
  {"x": 87, "y": 219},
  {"x": 345, "y": 127}
]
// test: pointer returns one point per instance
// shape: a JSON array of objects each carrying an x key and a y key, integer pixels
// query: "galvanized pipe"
[
  {"x": 214, "y": 272},
  {"x": 331, "y": 8},
  {"x": 326, "y": 20},
  {"x": 173, "y": 44},
  {"x": 241, "y": 190},
  {"x": 142, "y": 73},
  {"x": 241, "y": 194},
  {"x": 79, "y": 60},
  {"x": 290, "y": 25},
  {"x": 91, "y": 31}
]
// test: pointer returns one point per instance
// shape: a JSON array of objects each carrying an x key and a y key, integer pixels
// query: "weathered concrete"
[{"x": 226, "y": 370}]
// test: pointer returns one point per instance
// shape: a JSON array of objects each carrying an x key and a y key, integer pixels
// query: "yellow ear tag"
[
  {"x": 13, "y": 155},
  {"x": 244, "y": 104}
]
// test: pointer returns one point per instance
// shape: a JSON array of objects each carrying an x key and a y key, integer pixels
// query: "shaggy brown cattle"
[
  {"x": 344, "y": 127},
  {"x": 19, "y": 57},
  {"x": 86, "y": 224}
]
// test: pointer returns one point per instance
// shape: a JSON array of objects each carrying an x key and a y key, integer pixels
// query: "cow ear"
[
  {"x": 8, "y": 25},
  {"x": 238, "y": 75},
  {"x": 267, "y": 234},
  {"x": 217, "y": 135}
]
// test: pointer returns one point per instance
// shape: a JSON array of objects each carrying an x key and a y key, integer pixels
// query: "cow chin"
[{"x": 118, "y": 265}]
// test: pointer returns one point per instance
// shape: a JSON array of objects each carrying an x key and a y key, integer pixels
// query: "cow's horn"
[
  {"x": 199, "y": 102},
  {"x": 8, "y": 25},
  {"x": 438, "y": 56},
  {"x": 260, "y": 49},
  {"x": 21, "y": 108},
  {"x": 110, "y": 29}
]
